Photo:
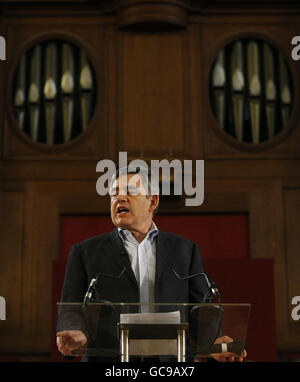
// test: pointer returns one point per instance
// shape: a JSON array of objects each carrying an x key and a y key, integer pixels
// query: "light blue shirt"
[{"x": 143, "y": 261}]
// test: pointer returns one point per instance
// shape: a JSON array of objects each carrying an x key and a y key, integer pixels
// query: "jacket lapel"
[
  {"x": 120, "y": 255},
  {"x": 162, "y": 255}
]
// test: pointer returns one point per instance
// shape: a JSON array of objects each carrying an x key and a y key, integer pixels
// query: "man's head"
[{"x": 134, "y": 199}]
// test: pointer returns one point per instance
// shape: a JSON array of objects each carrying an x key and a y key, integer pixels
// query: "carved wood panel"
[
  {"x": 11, "y": 258},
  {"x": 153, "y": 94}
]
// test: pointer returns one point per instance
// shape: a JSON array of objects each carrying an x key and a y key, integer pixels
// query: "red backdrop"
[
  {"x": 218, "y": 236},
  {"x": 223, "y": 243}
]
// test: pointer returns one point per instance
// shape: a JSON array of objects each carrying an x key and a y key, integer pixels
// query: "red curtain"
[{"x": 218, "y": 236}]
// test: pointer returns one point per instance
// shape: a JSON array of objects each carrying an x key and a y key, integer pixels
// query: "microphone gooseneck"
[{"x": 210, "y": 284}]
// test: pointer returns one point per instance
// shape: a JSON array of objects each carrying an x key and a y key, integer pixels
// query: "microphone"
[
  {"x": 213, "y": 288},
  {"x": 90, "y": 291}
]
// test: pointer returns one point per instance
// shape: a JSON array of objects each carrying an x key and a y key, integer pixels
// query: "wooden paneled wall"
[{"x": 153, "y": 102}]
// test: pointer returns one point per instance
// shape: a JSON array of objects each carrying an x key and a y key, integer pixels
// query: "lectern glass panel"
[{"x": 115, "y": 329}]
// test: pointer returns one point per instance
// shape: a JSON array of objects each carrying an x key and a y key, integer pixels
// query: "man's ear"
[{"x": 154, "y": 200}]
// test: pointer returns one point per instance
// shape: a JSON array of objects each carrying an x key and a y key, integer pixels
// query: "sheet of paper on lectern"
[{"x": 150, "y": 318}]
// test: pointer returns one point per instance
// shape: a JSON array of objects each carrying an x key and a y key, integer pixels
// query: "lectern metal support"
[
  {"x": 181, "y": 345},
  {"x": 152, "y": 331},
  {"x": 124, "y": 343}
]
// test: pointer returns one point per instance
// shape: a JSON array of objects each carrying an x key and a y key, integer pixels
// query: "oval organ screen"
[
  {"x": 251, "y": 90},
  {"x": 54, "y": 92}
]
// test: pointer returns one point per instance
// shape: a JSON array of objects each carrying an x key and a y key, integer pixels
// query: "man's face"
[{"x": 130, "y": 206}]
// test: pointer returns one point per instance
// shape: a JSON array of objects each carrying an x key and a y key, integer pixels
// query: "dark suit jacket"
[
  {"x": 106, "y": 257},
  {"x": 105, "y": 254}
]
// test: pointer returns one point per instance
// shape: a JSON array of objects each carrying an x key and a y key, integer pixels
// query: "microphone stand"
[
  {"x": 87, "y": 300},
  {"x": 213, "y": 293}
]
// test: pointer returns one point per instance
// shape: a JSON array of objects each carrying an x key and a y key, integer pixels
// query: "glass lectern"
[{"x": 121, "y": 330}]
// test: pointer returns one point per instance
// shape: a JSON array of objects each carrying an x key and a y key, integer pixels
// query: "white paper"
[{"x": 150, "y": 318}]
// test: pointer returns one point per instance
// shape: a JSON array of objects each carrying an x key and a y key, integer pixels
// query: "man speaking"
[{"x": 149, "y": 259}]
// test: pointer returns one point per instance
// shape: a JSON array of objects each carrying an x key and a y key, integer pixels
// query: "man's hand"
[
  {"x": 225, "y": 357},
  {"x": 228, "y": 357},
  {"x": 69, "y": 340}
]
